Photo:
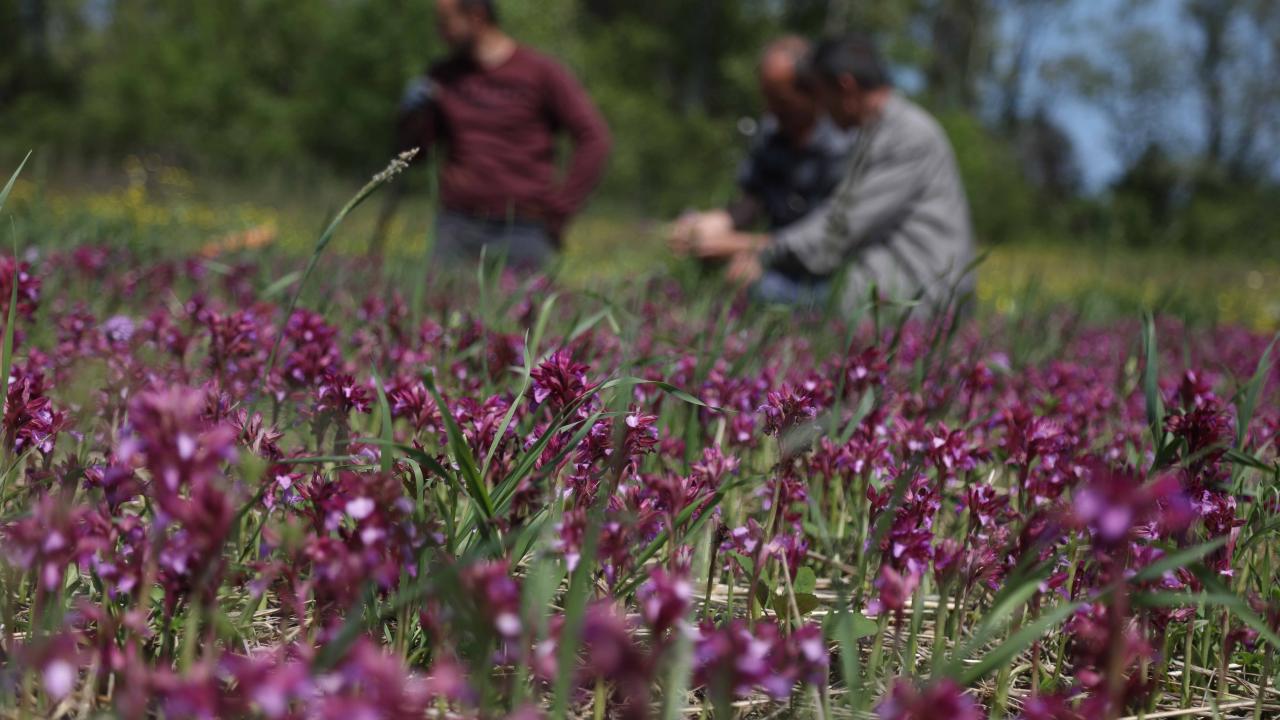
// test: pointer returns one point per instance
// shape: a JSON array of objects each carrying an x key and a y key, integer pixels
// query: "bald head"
[
  {"x": 781, "y": 58},
  {"x": 785, "y": 96}
]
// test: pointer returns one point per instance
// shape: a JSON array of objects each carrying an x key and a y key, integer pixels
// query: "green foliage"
[
  {"x": 233, "y": 86},
  {"x": 1004, "y": 206},
  {"x": 1240, "y": 215}
]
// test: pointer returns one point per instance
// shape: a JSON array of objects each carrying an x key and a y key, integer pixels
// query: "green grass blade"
[
  {"x": 540, "y": 584},
  {"x": 1151, "y": 381},
  {"x": 575, "y": 608},
  {"x": 679, "y": 661},
  {"x": 6, "y": 353},
  {"x": 386, "y": 454},
  {"x": 419, "y": 490},
  {"x": 1001, "y": 614},
  {"x": 1017, "y": 642},
  {"x": 1222, "y": 598},
  {"x": 1239, "y": 457},
  {"x": 1257, "y": 536},
  {"x": 633, "y": 578},
  {"x": 1252, "y": 391},
  {"x": 846, "y": 632},
  {"x": 461, "y": 453},
  {"x": 13, "y": 179},
  {"x": 511, "y": 411},
  {"x": 1176, "y": 560},
  {"x": 505, "y": 490},
  {"x": 582, "y": 580},
  {"x": 1222, "y": 595},
  {"x": 540, "y": 327},
  {"x": 281, "y": 284},
  {"x": 666, "y": 387},
  {"x": 317, "y": 460}
]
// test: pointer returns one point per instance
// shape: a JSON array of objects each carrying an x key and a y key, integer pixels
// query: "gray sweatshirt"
[{"x": 899, "y": 219}]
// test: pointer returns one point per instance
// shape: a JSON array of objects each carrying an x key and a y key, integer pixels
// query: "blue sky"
[
  {"x": 1089, "y": 27},
  {"x": 1088, "y": 22}
]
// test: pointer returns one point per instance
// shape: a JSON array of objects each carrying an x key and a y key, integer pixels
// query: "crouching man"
[{"x": 898, "y": 221}]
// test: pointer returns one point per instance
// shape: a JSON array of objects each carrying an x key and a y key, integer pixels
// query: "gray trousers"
[
  {"x": 775, "y": 288},
  {"x": 521, "y": 244}
]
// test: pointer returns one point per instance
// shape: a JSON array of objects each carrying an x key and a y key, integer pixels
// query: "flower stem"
[
  {"x": 873, "y": 663},
  {"x": 600, "y": 700},
  {"x": 1262, "y": 683},
  {"x": 940, "y": 630},
  {"x": 913, "y": 638}
]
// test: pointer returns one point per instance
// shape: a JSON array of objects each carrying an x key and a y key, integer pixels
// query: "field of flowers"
[{"x": 231, "y": 486}]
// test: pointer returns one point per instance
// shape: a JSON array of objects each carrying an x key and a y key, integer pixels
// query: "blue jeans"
[
  {"x": 775, "y": 288},
  {"x": 461, "y": 238}
]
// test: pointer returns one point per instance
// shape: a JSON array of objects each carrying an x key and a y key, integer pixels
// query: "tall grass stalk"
[
  {"x": 395, "y": 167},
  {"x": 6, "y": 355}
]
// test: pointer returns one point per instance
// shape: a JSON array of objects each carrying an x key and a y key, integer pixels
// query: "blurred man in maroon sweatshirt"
[{"x": 496, "y": 107}]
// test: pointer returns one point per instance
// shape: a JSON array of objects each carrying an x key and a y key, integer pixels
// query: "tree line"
[{"x": 1185, "y": 91}]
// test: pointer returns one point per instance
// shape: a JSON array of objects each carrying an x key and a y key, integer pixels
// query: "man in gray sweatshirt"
[{"x": 899, "y": 220}]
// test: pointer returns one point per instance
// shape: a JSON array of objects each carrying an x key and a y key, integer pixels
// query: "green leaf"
[
  {"x": 529, "y": 537},
  {"x": 539, "y": 329},
  {"x": 862, "y": 626},
  {"x": 865, "y": 405},
  {"x": 806, "y": 581},
  {"x": 767, "y": 599},
  {"x": 419, "y": 456},
  {"x": 805, "y": 603},
  {"x": 1167, "y": 599},
  {"x": 506, "y": 490},
  {"x": 336, "y": 649},
  {"x": 419, "y": 490},
  {"x": 847, "y": 628}
]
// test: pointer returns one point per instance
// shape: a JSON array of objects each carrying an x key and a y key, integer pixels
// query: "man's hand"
[
  {"x": 689, "y": 231},
  {"x": 681, "y": 238},
  {"x": 718, "y": 243},
  {"x": 744, "y": 268},
  {"x": 418, "y": 94}
]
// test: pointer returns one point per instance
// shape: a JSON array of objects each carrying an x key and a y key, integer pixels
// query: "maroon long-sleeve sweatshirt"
[{"x": 499, "y": 125}]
